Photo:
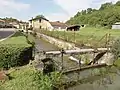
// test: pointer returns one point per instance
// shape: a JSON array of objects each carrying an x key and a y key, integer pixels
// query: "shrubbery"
[{"x": 14, "y": 55}]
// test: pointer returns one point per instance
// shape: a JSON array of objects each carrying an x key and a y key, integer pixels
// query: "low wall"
[{"x": 57, "y": 42}]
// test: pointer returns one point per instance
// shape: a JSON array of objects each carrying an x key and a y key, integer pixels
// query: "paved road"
[{"x": 4, "y": 34}]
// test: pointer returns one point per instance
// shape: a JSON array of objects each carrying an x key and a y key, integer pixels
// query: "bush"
[
  {"x": 15, "y": 51},
  {"x": 14, "y": 55},
  {"x": 45, "y": 82}
]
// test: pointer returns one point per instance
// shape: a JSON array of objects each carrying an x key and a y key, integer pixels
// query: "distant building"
[
  {"x": 15, "y": 24},
  {"x": 116, "y": 25},
  {"x": 57, "y": 26},
  {"x": 23, "y": 25},
  {"x": 39, "y": 23},
  {"x": 2, "y": 23},
  {"x": 43, "y": 23},
  {"x": 73, "y": 28}
]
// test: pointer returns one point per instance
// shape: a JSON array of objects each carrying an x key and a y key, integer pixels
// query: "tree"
[
  {"x": 39, "y": 16},
  {"x": 93, "y": 10},
  {"x": 78, "y": 13},
  {"x": 117, "y": 3},
  {"x": 83, "y": 12},
  {"x": 89, "y": 10},
  {"x": 106, "y": 5},
  {"x": 107, "y": 15}
]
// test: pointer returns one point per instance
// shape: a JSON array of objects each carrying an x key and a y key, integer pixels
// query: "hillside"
[{"x": 106, "y": 15}]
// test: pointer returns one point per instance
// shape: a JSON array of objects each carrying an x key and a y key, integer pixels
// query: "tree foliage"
[
  {"x": 106, "y": 15},
  {"x": 39, "y": 16}
]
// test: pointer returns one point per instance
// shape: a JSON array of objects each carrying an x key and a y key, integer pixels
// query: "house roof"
[
  {"x": 74, "y": 27},
  {"x": 58, "y": 24},
  {"x": 2, "y": 20},
  {"x": 14, "y": 23},
  {"x": 37, "y": 18}
]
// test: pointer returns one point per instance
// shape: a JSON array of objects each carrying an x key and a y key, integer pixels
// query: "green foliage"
[
  {"x": 116, "y": 48},
  {"x": 106, "y": 5},
  {"x": 14, "y": 55},
  {"x": 117, "y": 63},
  {"x": 39, "y": 16},
  {"x": 15, "y": 51},
  {"x": 46, "y": 82},
  {"x": 106, "y": 16},
  {"x": 27, "y": 78},
  {"x": 118, "y": 3},
  {"x": 10, "y": 19}
]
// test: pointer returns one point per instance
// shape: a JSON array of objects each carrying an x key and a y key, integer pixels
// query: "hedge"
[{"x": 12, "y": 55}]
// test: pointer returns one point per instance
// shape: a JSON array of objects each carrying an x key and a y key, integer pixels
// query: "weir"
[{"x": 73, "y": 70}]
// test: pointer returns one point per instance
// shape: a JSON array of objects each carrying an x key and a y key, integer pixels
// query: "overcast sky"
[{"x": 53, "y": 10}]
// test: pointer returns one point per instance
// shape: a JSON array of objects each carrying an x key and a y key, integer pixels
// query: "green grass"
[
  {"x": 117, "y": 63},
  {"x": 20, "y": 79},
  {"x": 27, "y": 78},
  {"x": 19, "y": 38},
  {"x": 88, "y": 35}
]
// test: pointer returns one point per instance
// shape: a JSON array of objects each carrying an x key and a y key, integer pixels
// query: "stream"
[{"x": 94, "y": 79}]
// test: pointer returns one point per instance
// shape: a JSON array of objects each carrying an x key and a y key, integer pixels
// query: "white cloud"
[
  {"x": 57, "y": 16},
  {"x": 10, "y": 7},
  {"x": 71, "y": 7}
]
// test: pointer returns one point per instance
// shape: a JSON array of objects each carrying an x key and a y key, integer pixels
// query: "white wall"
[
  {"x": 2, "y": 23},
  {"x": 46, "y": 25},
  {"x": 36, "y": 24},
  {"x": 17, "y": 26},
  {"x": 115, "y": 26}
]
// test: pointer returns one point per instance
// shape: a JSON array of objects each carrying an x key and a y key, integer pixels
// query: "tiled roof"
[
  {"x": 2, "y": 20},
  {"x": 58, "y": 24}
]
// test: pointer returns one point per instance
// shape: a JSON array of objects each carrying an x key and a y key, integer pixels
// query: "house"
[
  {"x": 2, "y": 23},
  {"x": 58, "y": 26},
  {"x": 23, "y": 25},
  {"x": 73, "y": 28},
  {"x": 116, "y": 25},
  {"x": 15, "y": 24},
  {"x": 39, "y": 23},
  {"x": 43, "y": 23}
]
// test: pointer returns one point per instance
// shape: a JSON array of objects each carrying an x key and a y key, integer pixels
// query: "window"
[
  {"x": 40, "y": 27},
  {"x": 39, "y": 20}
]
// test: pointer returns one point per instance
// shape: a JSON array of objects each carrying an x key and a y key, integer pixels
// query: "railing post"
[
  {"x": 62, "y": 53},
  {"x": 79, "y": 68}
]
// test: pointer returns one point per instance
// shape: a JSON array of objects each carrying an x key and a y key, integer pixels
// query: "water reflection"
[{"x": 107, "y": 80}]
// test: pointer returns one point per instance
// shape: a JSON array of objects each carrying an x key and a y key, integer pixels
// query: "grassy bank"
[{"x": 96, "y": 37}]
